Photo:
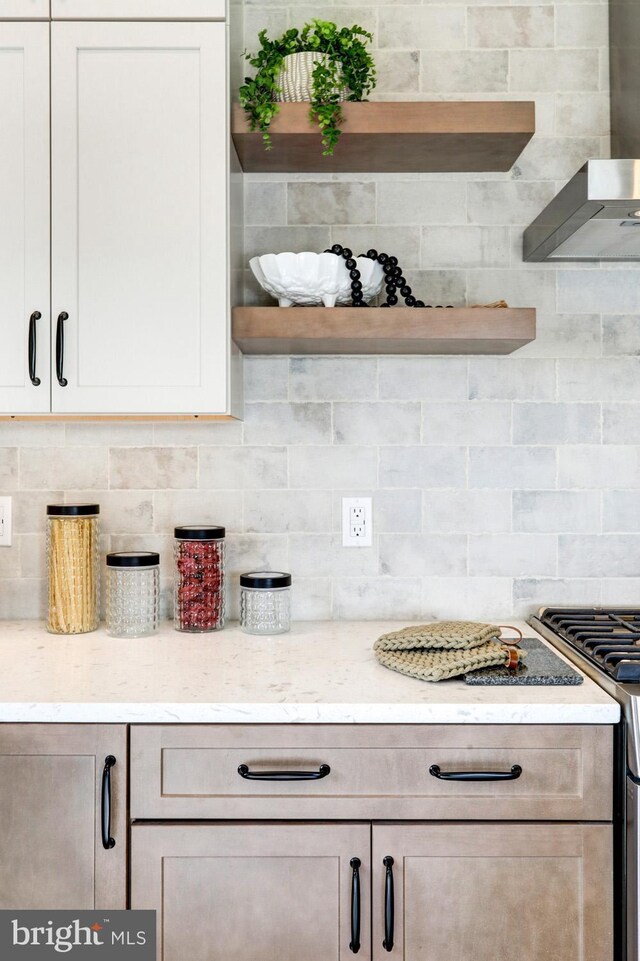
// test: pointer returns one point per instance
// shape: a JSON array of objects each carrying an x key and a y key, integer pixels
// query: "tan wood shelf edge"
[
  {"x": 393, "y": 137},
  {"x": 378, "y": 330}
]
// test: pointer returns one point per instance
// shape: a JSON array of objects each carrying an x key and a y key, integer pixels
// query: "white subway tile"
[
  {"x": 379, "y": 423},
  {"x": 523, "y": 287},
  {"x": 467, "y": 511},
  {"x": 525, "y": 468},
  {"x": 532, "y": 593},
  {"x": 608, "y": 379},
  {"x": 473, "y": 598},
  {"x": 322, "y": 555},
  {"x": 508, "y": 201},
  {"x": 464, "y": 71},
  {"x": 621, "y": 511},
  {"x": 508, "y": 378},
  {"x": 513, "y": 27},
  {"x": 556, "y": 423},
  {"x": 267, "y": 512},
  {"x": 621, "y": 423},
  {"x": 219, "y": 508},
  {"x": 620, "y": 334},
  {"x": 512, "y": 555},
  {"x": 333, "y": 467},
  {"x": 266, "y": 378},
  {"x": 421, "y": 202},
  {"x": 331, "y": 203},
  {"x": 333, "y": 378},
  {"x": 599, "y": 555},
  {"x": 397, "y": 511},
  {"x": 311, "y": 599},
  {"x": 582, "y": 25},
  {"x": 565, "y": 335},
  {"x": 540, "y": 512},
  {"x": 465, "y": 246},
  {"x": 403, "y": 555},
  {"x": 42, "y": 468},
  {"x": 599, "y": 467},
  {"x": 424, "y": 28},
  {"x": 243, "y": 468},
  {"x": 533, "y": 70},
  {"x": 422, "y": 467},
  {"x": 376, "y": 598},
  {"x": 604, "y": 290},
  {"x": 287, "y": 423},
  {"x": 423, "y": 378},
  {"x": 473, "y": 424}
]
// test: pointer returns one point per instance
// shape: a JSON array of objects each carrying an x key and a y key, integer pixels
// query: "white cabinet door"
[
  {"x": 24, "y": 216},
  {"x": 139, "y": 210},
  {"x": 138, "y": 9},
  {"x": 24, "y": 9}
]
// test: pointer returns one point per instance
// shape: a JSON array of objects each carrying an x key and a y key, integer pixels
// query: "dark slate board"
[{"x": 542, "y": 666}]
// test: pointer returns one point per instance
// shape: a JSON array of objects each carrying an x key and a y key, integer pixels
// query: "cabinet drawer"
[
  {"x": 138, "y": 9},
  {"x": 24, "y": 9},
  {"x": 377, "y": 771}
]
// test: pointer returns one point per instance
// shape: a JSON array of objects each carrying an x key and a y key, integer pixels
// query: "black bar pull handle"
[
  {"x": 107, "y": 841},
  {"x": 322, "y": 771},
  {"x": 33, "y": 348},
  {"x": 511, "y": 775},
  {"x": 62, "y": 380},
  {"x": 354, "y": 944},
  {"x": 389, "y": 905}
]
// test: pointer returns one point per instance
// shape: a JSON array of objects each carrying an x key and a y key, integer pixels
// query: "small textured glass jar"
[
  {"x": 133, "y": 593},
  {"x": 73, "y": 536},
  {"x": 265, "y": 602},
  {"x": 199, "y": 578}
]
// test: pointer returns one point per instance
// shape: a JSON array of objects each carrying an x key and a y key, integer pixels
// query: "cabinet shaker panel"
[
  {"x": 24, "y": 214},
  {"x": 487, "y": 891},
  {"x": 24, "y": 9},
  {"x": 139, "y": 223},
  {"x": 51, "y": 846},
  {"x": 247, "y": 892},
  {"x": 138, "y": 9}
]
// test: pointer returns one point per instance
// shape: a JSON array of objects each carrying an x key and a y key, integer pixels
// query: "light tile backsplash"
[{"x": 499, "y": 484}]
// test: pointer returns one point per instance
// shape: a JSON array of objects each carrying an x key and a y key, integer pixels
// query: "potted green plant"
[{"x": 321, "y": 63}]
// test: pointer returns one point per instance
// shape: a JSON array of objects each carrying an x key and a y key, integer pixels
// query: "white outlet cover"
[
  {"x": 5, "y": 522},
  {"x": 366, "y": 538}
]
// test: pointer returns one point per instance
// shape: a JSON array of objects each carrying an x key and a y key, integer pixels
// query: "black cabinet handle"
[
  {"x": 244, "y": 772},
  {"x": 511, "y": 775},
  {"x": 354, "y": 944},
  {"x": 107, "y": 841},
  {"x": 62, "y": 380},
  {"x": 36, "y": 315},
  {"x": 387, "y": 944}
]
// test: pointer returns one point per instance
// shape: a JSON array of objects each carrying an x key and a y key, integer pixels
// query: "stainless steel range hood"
[{"x": 596, "y": 216}]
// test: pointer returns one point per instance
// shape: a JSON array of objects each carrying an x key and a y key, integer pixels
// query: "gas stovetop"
[{"x": 609, "y": 639}]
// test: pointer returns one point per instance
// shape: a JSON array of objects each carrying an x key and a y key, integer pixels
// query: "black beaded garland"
[{"x": 394, "y": 278}]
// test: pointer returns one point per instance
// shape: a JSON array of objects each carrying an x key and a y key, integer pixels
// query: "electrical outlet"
[
  {"x": 357, "y": 522},
  {"x": 5, "y": 522}
]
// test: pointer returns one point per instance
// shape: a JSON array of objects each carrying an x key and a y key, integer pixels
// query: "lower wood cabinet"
[
  {"x": 438, "y": 891},
  {"x": 255, "y": 892},
  {"x": 52, "y": 782}
]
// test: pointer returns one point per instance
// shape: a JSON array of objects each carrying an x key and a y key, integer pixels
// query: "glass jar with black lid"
[
  {"x": 133, "y": 593},
  {"x": 73, "y": 542},
  {"x": 265, "y": 602},
  {"x": 199, "y": 603}
]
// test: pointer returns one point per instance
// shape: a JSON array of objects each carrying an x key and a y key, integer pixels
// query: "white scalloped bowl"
[{"x": 309, "y": 279}]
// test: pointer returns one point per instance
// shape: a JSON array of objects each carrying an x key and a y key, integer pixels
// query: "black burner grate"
[{"x": 608, "y": 638}]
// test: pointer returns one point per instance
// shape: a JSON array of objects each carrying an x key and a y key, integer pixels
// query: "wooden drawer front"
[
  {"x": 138, "y": 9},
  {"x": 377, "y": 771}
]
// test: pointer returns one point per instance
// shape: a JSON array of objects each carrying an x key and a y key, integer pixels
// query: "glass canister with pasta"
[{"x": 73, "y": 536}]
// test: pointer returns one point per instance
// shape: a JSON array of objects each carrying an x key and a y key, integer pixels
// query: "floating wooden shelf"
[
  {"x": 380, "y": 330},
  {"x": 393, "y": 137}
]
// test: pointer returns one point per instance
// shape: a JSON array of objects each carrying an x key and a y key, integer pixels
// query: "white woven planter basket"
[{"x": 296, "y": 77}]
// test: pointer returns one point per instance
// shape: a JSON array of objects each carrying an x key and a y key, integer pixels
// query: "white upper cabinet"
[
  {"x": 136, "y": 9},
  {"x": 139, "y": 215},
  {"x": 24, "y": 215},
  {"x": 24, "y": 9}
]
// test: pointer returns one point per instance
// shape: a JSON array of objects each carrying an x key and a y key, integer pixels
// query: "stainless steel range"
[{"x": 605, "y": 644}]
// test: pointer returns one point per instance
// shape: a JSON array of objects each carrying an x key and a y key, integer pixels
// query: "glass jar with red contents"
[{"x": 199, "y": 578}]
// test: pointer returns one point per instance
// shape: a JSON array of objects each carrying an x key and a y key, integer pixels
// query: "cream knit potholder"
[{"x": 434, "y": 652}]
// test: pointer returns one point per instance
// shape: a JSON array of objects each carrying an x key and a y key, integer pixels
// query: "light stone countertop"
[{"x": 321, "y": 672}]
